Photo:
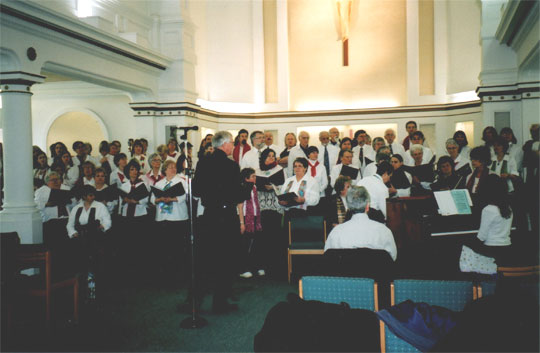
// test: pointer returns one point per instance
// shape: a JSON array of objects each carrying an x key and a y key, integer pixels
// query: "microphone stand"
[{"x": 194, "y": 321}]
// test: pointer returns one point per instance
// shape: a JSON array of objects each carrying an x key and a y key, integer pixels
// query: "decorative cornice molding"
[
  {"x": 73, "y": 28},
  {"x": 513, "y": 17},
  {"x": 518, "y": 91},
  {"x": 19, "y": 78}
]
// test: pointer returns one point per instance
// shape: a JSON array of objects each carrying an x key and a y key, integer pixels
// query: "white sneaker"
[
  {"x": 261, "y": 272},
  {"x": 246, "y": 275}
]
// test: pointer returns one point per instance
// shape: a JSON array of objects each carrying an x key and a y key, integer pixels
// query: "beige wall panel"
[
  {"x": 426, "y": 47},
  {"x": 270, "y": 51},
  {"x": 376, "y": 74},
  {"x": 464, "y": 50}
]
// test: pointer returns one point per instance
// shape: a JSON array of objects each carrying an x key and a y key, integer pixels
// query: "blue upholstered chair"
[
  {"x": 453, "y": 295},
  {"x": 359, "y": 293},
  {"x": 307, "y": 236}
]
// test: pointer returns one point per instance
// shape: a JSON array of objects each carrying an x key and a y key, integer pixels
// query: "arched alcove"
[{"x": 72, "y": 126}]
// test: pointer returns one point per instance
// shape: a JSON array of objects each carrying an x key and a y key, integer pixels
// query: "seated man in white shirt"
[
  {"x": 360, "y": 231},
  {"x": 378, "y": 191}
]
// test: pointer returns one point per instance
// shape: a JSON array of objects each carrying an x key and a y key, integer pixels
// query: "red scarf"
[
  {"x": 151, "y": 176},
  {"x": 313, "y": 168},
  {"x": 121, "y": 177},
  {"x": 251, "y": 225},
  {"x": 236, "y": 151}
]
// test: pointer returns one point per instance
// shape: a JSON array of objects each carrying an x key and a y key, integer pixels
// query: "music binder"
[
  {"x": 277, "y": 178},
  {"x": 453, "y": 202},
  {"x": 173, "y": 191},
  {"x": 138, "y": 194},
  {"x": 289, "y": 198},
  {"x": 59, "y": 197},
  {"x": 349, "y": 171}
]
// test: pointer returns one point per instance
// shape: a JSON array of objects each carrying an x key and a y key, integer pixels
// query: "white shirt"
[
  {"x": 397, "y": 148},
  {"x": 368, "y": 152},
  {"x": 333, "y": 154},
  {"x": 494, "y": 229},
  {"x": 335, "y": 172},
  {"x": 173, "y": 157},
  {"x": 511, "y": 168},
  {"x": 461, "y": 161},
  {"x": 116, "y": 179},
  {"x": 320, "y": 175},
  {"x": 71, "y": 176},
  {"x": 88, "y": 158},
  {"x": 294, "y": 153},
  {"x": 465, "y": 152},
  {"x": 143, "y": 161},
  {"x": 371, "y": 169},
  {"x": 362, "y": 232},
  {"x": 41, "y": 197},
  {"x": 251, "y": 159},
  {"x": 426, "y": 157},
  {"x": 179, "y": 211},
  {"x": 378, "y": 192},
  {"x": 272, "y": 147},
  {"x": 311, "y": 191},
  {"x": 140, "y": 208},
  {"x": 516, "y": 152},
  {"x": 102, "y": 215}
]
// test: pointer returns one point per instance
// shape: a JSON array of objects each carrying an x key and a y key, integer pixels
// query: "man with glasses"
[
  {"x": 251, "y": 158},
  {"x": 300, "y": 150}
]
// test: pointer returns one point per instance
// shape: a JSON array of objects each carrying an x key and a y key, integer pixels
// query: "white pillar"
[{"x": 19, "y": 210}]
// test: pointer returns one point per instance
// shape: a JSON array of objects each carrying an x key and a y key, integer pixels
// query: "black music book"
[
  {"x": 289, "y": 198},
  {"x": 174, "y": 191},
  {"x": 349, "y": 171},
  {"x": 278, "y": 178},
  {"x": 110, "y": 193},
  {"x": 464, "y": 171},
  {"x": 424, "y": 172},
  {"x": 138, "y": 194},
  {"x": 59, "y": 197}
]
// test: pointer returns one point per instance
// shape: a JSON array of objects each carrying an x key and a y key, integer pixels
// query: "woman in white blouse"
[
  {"x": 304, "y": 186},
  {"x": 493, "y": 240},
  {"x": 171, "y": 253},
  {"x": 71, "y": 172},
  {"x": 504, "y": 165},
  {"x": 137, "y": 149},
  {"x": 117, "y": 176}
]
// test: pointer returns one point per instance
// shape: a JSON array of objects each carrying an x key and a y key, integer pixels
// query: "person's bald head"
[
  {"x": 389, "y": 135},
  {"x": 303, "y": 137},
  {"x": 324, "y": 137}
]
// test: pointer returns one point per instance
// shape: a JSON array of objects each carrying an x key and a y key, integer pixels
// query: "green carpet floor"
[{"x": 146, "y": 320}]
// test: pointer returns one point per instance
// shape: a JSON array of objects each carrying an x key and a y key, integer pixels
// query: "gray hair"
[
  {"x": 220, "y": 138},
  {"x": 375, "y": 140},
  {"x": 416, "y": 148},
  {"x": 357, "y": 199},
  {"x": 154, "y": 155},
  {"x": 450, "y": 142},
  {"x": 51, "y": 174}
]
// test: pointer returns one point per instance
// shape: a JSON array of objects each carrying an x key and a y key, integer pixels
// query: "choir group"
[{"x": 136, "y": 204}]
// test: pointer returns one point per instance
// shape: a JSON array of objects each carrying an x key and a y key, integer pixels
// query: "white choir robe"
[
  {"x": 397, "y": 148},
  {"x": 41, "y": 197},
  {"x": 368, "y": 153},
  {"x": 140, "y": 208},
  {"x": 311, "y": 191},
  {"x": 294, "y": 153},
  {"x": 116, "y": 178},
  {"x": 143, "y": 161},
  {"x": 179, "y": 211},
  {"x": 333, "y": 154},
  {"x": 102, "y": 215},
  {"x": 426, "y": 157},
  {"x": 71, "y": 176},
  {"x": 251, "y": 159}
]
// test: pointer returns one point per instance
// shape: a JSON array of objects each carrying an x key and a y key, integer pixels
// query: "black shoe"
[{"x": 224, "y": 308}]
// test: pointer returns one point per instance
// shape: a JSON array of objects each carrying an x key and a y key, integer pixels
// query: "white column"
[{"x": 19, "y": 210}]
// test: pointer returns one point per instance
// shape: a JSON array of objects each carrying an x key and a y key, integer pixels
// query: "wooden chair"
[
  {"x": 44, "y": 284},
  {"x": 307, "y": 236},
  {"x": 521, "y": 271},
  {"x": 453, "y": 295}
]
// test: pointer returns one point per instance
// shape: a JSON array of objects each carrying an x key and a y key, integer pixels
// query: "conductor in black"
[{"x": 217, "y": 183}]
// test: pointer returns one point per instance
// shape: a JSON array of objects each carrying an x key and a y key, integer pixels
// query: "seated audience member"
[
  {"x": 334, "y": 136},
  {"x": 54, "y": 210},
  {"x": 360, "y": 231},
  {"x": 378, "y": 191},
  {"x": 417, "y": 138},
  {"x": 395, "y": 147},
  {"x": 154, "y": 174},
  {"x": 290, "y": 142},
  {"x": 318, "y": 171},
  {"x": 305, "y": 188},
  {"x": 480, "y": 160},
  {"x": 447, "y": 178},
  {"x": 411, "y": 128},
  {"x": 491, "y": 245},
  {"x": 41, "y": 167},
  {"x": 461, "y": 139},
  {"x": 253, "y": 250},
  {"x": 503, "y": 164},
  {"x": 514, "y": 149},
  {"x": 251, "y": 158},
  {"x": 462, "y": 165},
  {"x": 241, "y": 147},
  {"x": 345, "y": 167},
  {"x": 118, "y": 177},
  {"x": 400, "y": 180},
  {"x": 338, "y": 202}
]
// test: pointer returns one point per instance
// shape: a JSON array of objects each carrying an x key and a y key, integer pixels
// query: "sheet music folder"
[
  {"x": 453, "y": 202},
  {"x": 174, "y": 191}
]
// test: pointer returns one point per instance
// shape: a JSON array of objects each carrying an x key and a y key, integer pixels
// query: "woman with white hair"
[{"x": 462, "y": 165}]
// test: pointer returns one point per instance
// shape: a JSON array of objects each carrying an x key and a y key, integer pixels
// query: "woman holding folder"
[
  {"x": 299, "y": 191},
  {"x": 171, "y": 244}
]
